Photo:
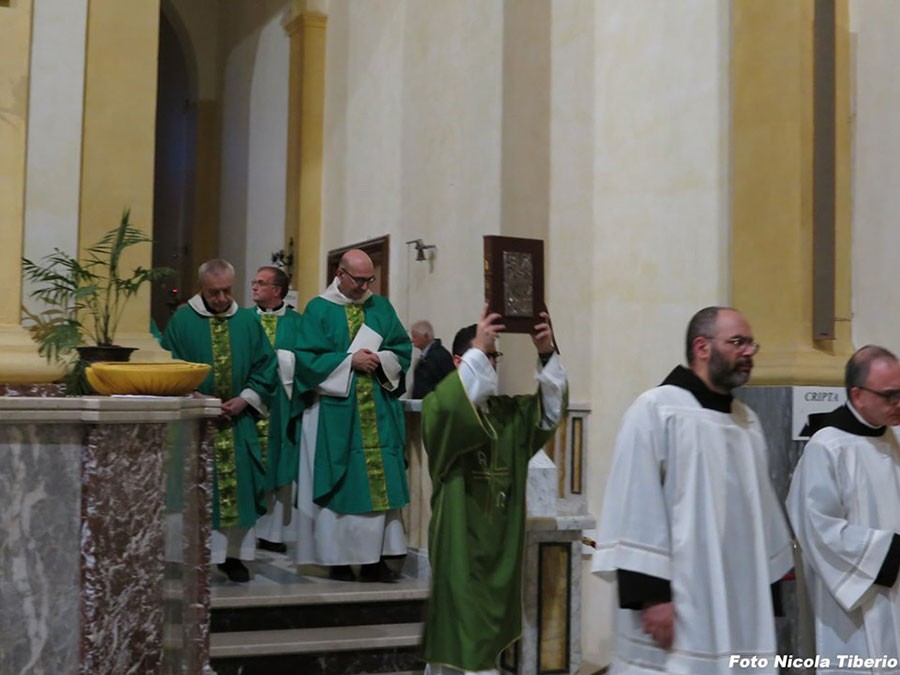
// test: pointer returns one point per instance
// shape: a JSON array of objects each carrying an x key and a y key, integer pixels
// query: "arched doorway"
[{"x": 175, "y": 165}]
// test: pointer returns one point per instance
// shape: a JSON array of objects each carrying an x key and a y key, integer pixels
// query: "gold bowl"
[{"x": 168, "y": 378}]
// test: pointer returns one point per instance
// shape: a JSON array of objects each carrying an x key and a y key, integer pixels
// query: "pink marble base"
[
  {"x": 122, "y": 547},
  {"x": 42, "y": 390},
  {"x": 198, "y": 524}
]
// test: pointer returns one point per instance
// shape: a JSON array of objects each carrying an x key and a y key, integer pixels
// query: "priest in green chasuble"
[
  {"x": 478, "y": 446},
  {"x": 212, "y": 329},
  {"x": 281, "y": 324},
  {"x": 352, "y": 356}
]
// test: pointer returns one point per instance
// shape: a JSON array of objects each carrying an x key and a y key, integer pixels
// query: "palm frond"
[{"x": 85, "y": 297}]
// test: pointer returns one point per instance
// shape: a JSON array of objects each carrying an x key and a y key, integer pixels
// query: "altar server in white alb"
[
  {"x": 844, "y": 504},
  {"x": 691, "y": 528}
]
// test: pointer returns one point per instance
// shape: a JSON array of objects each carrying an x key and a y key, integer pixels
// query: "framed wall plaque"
[{"x": 514, "y": 280}]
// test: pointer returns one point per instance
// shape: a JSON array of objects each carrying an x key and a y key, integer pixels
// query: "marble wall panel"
[
  {"x": 198, "y": 525},
  {"x": 42, "y": 390},
  {"x": 530, "y": 643},
  {"x": 774, "y": 406},
  {"x": 554, "y": 582},
  {"x": 122, "y": 549},
  {"x": 40, "y": 494}
]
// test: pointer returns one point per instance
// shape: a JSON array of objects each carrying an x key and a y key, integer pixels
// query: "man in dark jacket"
[{"x": 435, "y": 362}]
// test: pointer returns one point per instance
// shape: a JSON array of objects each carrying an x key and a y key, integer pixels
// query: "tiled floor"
[{"x": 275, "y": 576}]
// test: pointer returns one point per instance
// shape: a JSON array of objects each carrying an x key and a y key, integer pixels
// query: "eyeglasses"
[
  {"x": 738, "y": 342},
  {"x": 891, "y": 395},
  {"x": 255, "y": 283},
  {"x": 493, "y": 356},
  {"x": 359, "y": 281}
]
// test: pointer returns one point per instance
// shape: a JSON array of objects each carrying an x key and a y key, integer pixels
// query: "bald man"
[
  {"x": 352, "y": 355},
  {"x": 844, "y": 504}
]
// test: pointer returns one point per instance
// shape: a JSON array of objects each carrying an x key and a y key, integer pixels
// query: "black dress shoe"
[
  {"x": 341, "y": 573},
  {"x": 235, "y": 570},
  {"x": 274, "y": 546},
  {"x": 379, "y": 572}
]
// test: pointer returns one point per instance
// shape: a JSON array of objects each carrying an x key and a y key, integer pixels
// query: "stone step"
[
  {"x": 373, "y": 662},
  {"x": 310, "y": 591},
  {"x": 306, "y": 640},
  {"x": 285, "y": 617},
  {"x": 316, "y": 604},
  {"x": 386, "y": 648}
]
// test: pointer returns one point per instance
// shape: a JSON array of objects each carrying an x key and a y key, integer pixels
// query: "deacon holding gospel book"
[{"x": 478, "y": 446}]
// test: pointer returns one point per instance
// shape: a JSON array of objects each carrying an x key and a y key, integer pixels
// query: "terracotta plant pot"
[{"x": 96, "y": 353}]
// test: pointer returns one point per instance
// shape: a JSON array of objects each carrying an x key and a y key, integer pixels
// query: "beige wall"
[
  {"x": 876, "y": 172},
  {"x": 255, "y": 60},
  {"x": 660, "y": 225},
  {"x": 412, "y": 145}
]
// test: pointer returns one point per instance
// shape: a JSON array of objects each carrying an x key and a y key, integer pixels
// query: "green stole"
[
  {"x": 368, "y": 422},
  {"x": 226, "y": 462},
  {"x": 270, "y": 327}
]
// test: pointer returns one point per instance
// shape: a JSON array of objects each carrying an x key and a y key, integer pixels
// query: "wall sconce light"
[{"x": 420, "y": 248}]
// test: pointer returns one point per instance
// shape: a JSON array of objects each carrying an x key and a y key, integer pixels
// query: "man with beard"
[
  {"x": 691, "y": 528},
  {"x": 844, "y": 504}
]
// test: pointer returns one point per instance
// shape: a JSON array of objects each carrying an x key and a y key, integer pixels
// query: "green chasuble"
[
  {"x": 278, "y": 440},
  {"x": 241, "y": 358},
  {"x": 359, "y": 457},
  {"x": 479, "y": 468}
]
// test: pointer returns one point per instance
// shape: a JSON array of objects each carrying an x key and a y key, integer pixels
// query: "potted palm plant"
[{"x": 83, "y": 300}]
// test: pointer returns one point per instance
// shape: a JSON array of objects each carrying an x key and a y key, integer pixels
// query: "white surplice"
[
  {"x": 325, "y": 537},
  {"x": 689, "y": 500},
  {"x": 844, "y": 504}
]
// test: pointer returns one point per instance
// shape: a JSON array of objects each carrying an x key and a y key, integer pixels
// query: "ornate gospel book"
[{"x": 514, "y": 280}]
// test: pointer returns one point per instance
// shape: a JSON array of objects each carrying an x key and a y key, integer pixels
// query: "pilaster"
[
  {"x": 118, "y": 142},
  {"x": 306, "y": 100},
  {"x": 772, "y": 145}
]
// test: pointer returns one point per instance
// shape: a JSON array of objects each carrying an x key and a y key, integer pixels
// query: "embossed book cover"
[{"x": 514, "y": 280}]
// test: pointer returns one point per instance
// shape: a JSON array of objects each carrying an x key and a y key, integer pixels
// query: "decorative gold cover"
[{"x": 170, "y": 378}]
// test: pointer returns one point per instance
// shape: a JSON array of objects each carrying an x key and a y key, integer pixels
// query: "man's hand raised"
[
  {"x": 364, "y": 361},
  {"x": 543, "y": 335},
  {"x": 486, "y": 330}
]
